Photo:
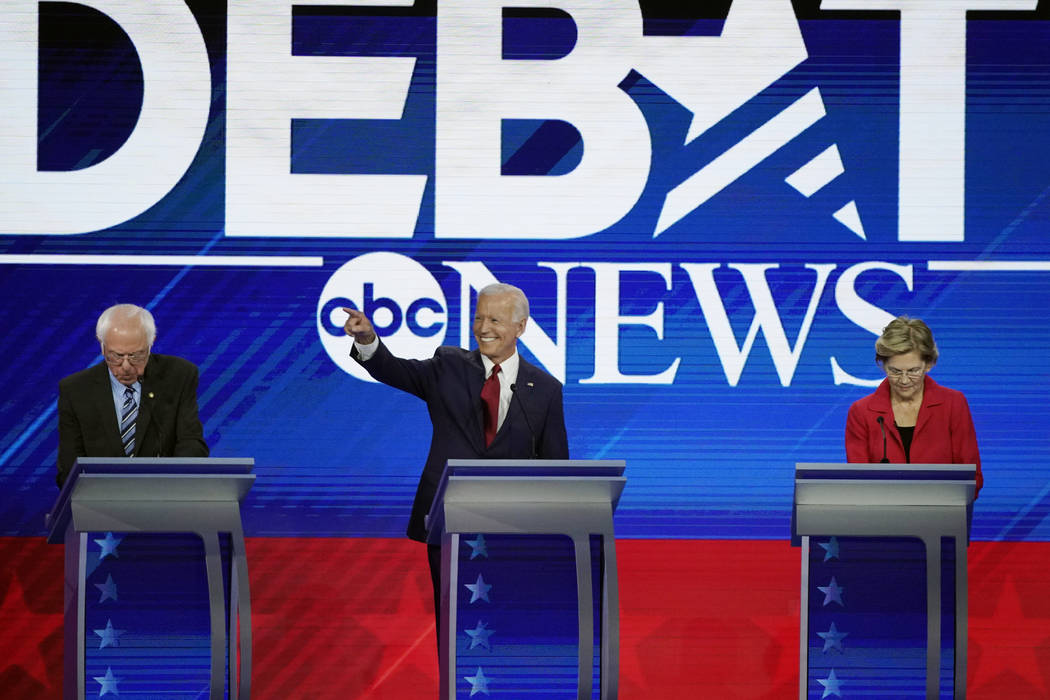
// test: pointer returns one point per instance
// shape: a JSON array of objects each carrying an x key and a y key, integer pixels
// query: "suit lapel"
[
  {"x": 102, "y": 399},
  {"x": 931, "y": 400},
  {"x": 145, "y": 413},
  {"x": 474, "y": 380},
  {"x": 525, "y": 385},
  {"x": 527, "y": 374}
]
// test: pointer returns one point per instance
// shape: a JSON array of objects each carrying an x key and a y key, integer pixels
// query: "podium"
[
  {"x": 156, "y": 578},
  {"x": 530, "y": 606},
  {"x": 884, "y": 590}
]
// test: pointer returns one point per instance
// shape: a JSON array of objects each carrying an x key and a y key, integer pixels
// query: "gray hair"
[
  {"x": 126, "y": 312},
  {"x": 521, "y": 302}
]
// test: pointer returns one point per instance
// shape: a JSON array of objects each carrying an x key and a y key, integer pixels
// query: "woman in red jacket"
[{"x": 911, "y": 418}]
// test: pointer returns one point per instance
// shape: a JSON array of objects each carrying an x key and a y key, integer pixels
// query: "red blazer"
[{"x": 944, "y": 431}]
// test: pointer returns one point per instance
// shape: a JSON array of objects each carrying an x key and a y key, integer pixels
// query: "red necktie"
[{"x": 490, "y": 397}]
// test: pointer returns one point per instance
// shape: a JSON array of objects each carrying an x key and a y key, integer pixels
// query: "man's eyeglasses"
[
  {"x": 116, "y": 359},
  {"x": 913, "y": 373}
]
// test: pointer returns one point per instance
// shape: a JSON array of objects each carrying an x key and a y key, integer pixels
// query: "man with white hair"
[
  {"x": 133, "y": 403},
  {"x": 469, "y": 397}
]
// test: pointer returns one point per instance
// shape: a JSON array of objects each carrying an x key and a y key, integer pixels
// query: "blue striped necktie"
[{"x": 128, "y": 413}]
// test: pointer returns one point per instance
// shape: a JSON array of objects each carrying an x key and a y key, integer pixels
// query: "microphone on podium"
[
  {"x": 885, "y": 459},
  {"x": 521, "y": 407}
]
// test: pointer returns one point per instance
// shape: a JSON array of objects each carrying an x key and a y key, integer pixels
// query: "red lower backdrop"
[{"x": 350, "y": 618}]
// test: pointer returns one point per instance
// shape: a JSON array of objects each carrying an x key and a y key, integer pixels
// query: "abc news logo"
[
  {"x": 404, "y": 301},
  {"x": 410, "y": 312}
]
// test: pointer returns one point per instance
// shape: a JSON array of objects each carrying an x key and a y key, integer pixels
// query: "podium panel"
[
  {"x": 156, "y": 580},
  {"x": 147, "y": 624},
  {"x": 518, "y": 615},
  {"x": 867, "y": 616},
  {"x": 884, "y": 587},
  {"x": 529, "y": 593}
]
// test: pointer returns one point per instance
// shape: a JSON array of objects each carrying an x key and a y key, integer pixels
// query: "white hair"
[
  {"x": 126, "y": 312},
  {"x": 521, "y": 302}
]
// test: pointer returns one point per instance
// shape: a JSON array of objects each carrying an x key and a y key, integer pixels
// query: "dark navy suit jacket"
[
  {"x": 168, "y": 424},
  {"x": 450, "y": 383}
]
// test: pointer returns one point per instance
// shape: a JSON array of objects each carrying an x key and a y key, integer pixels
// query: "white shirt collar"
[{"x": 508, "y": 368}]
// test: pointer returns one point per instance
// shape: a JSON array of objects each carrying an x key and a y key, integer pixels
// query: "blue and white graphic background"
[{"x": 650, "y": 330}]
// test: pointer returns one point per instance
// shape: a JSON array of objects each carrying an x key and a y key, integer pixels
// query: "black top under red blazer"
[{"x": 450, "y": 384}]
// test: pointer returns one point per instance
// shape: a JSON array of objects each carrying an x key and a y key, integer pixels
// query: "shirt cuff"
[{"x": 365, "y": 352}]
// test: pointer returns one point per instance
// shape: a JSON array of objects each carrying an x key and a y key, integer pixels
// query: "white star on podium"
[
  {"x": 832, "y": 685},
  {"x": 832, "y": 639},
  {"x": 832, "y": 592},
  {"x": 831, "y": 548},
  {"x": 109, "y": 589},
  {"x": 478, "y": 683},
  {"x": 479, "y": 636},
  {"x": 479, "y": 590},
  {"x": 109, "y": 546},
  {"x": 477, "y": 547},
  {"x": 110, "y": 637},
  {"x": 108, "y": 682}
]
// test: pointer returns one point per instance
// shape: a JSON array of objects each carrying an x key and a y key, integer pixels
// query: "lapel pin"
[
  {"x": 530, "y": 384},
  {"x": 150, "y": 394}
]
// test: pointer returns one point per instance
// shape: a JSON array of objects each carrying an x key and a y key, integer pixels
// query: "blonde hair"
[{"x": 904, "y": 335}]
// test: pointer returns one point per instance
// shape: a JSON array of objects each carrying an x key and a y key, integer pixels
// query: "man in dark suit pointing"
[
  {"x": 133, "y": 403},
  {"x": 468, "y": 396}
]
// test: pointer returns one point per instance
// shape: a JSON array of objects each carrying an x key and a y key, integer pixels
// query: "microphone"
[
  {"x": 159, "y": 425},
  {"x": 521, "y": 407},
  {"x": 885, "y": 459},
  {"x": 160, "y": 438}
]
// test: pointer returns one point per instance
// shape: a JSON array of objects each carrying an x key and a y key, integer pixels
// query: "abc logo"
[{"x": 404, "y": 301}]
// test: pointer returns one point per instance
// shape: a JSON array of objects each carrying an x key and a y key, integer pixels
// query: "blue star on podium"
[
  {"x": 478, "y": 682},
  {"x": 108, "y": 683},
  {"x": 479, "y": 636},
  {"x": 110, "y": 637},
  {"x": 479, "y": 590},
  {"x": 832, "y": 592},
  {"x": 109, "y": 546},
  {"x": 832, "y": 685},
  {"x": 477, "y": 547},
  {"x": 833, "y": 638},
  {"x": 109, "y": 589},
  {"x": 831, "y": 548}
]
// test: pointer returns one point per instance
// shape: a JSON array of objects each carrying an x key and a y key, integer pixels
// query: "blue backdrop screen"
[{"x": 713, "y": 215}]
